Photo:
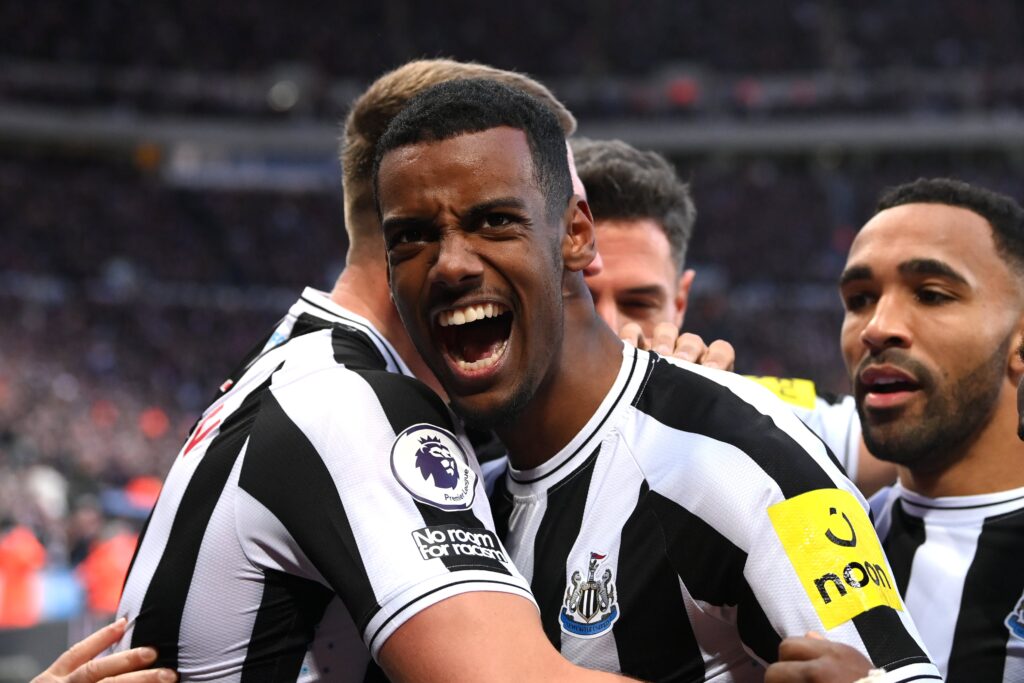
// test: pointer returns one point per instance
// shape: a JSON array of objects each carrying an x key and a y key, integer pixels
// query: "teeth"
[
  {"x": 468, "y": 314},
  {"x": 484, "y": 362}
]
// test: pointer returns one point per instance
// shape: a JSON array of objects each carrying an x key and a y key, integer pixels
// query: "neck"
[
  {"x": 363, "y": 289},
  {"x": 585, "y": 369},
  {"x": 992, "y": 462}
]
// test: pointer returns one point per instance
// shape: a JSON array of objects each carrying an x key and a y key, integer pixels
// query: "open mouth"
[
  {"x": 475, "y": 337},
  {"x": 887, "y": 387}
]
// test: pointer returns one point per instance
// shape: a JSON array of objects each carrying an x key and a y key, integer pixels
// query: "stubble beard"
[{"x": 951, "y": 421}]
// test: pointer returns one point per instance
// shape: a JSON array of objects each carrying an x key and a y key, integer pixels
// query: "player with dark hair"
[
  {"x": 934, "y": 296},
  {"x": 674, "y": 521},
  {"x": 327, "y": 508}
]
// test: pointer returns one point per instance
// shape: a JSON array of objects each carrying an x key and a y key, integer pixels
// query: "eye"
[
  {"x": 497, "y": 220},
  {"x": 932, "y": 297},
  {"x": 857, "y": 301},
  {"x": 405, "y": 236}
]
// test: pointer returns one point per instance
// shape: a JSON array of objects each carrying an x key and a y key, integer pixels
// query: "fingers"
[
  {"x": 632, "y": 333},
  {"x": 664, "y": 340},
  {"x": 689, "y": 346},
  {"x": 720, "y": 355},
  {"x": 118, "y": 663},
  {"x": 87, "y": 648},
  {"x": 151, "y": 676},
  {"x": 802, "y": 649}
]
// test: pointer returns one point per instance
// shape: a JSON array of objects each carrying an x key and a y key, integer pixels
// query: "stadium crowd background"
[{"x": 138, "y": 264}]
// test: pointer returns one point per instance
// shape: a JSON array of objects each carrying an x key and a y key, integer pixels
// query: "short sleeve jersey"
[
  {"x": 693, "y": 523},
  {"x": 323, "y": 499}
]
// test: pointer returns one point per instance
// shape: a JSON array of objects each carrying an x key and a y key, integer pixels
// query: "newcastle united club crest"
[
  {"x": 1015, "y": 620},
  {"x": 590, "y": 606}
]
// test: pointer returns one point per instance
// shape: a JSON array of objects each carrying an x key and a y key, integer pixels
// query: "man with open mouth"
[{"x": 674, "y": 522}]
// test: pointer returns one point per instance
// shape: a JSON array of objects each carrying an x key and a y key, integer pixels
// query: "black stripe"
[
  {"x": 159, "y": 619},
  {"x": 711, "y": 567},
  {"x": 556, "y": 534},
  {"x": 906, "y": 534},
  {"x": 355, "y": 350},
  {"x": 962, "y": 507},
  {"x": 359, "y": 326},
  {"x": 686, "y": 401},
  {"x": 992, "y": 590},
  {"x": 285, "y": 473},
  {"x": 653, "y": 635},
  {"x": 374, "y": 674},
  {"x": 888, "y": 643},
  {"x": 501, "y": 507},
  {"x": 407, "y": 401},
  {"x": 586, "y": 444},
  {"x": 289, "y": 611}
]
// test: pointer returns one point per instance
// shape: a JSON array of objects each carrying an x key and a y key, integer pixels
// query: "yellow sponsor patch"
[
  {"x": 799, "y": 392},
  {"x": 833, "y": 548}
]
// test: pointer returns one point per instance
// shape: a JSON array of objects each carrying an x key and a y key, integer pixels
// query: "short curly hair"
[
  {"x": 1003, "y": 213},
  {"x": 624, "y": 183},
  {"x": 463, "y": 106}
]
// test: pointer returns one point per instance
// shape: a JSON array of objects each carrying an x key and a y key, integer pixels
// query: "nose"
[
  {"x": 457, "y": 263},
  {"x": 888, "y": 326}
]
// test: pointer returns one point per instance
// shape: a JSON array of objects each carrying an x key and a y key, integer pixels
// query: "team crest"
[
  {"x": 590, "y": 607},
  {"x": 1015, "y": 620},
  {"x": 429, "y": 463}
]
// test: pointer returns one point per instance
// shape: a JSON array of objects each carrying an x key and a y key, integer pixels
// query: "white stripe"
[
  {"x": 726, "y": 658},
  {"x": 936, "y": 584},
  {"x": 606, "y": 500}
]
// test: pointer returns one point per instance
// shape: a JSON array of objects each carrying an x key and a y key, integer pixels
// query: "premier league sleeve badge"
[{"x": 431, "y": 464}]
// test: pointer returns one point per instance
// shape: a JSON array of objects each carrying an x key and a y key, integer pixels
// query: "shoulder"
[{"x": 732, "y": 417}]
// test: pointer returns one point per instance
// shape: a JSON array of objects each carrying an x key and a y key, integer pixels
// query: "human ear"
[{"x": 579, "y": 244}]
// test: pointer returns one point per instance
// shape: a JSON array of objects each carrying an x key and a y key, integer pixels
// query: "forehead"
[
  {"x": 950, "y": 234},
  {"x": 469, "y": 167},
  {"x": 637, "y": 243}
]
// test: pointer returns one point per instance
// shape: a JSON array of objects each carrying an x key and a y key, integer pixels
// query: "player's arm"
[
  {"x": 495, "y": 637},
  {"x": 78, "y": 666}
]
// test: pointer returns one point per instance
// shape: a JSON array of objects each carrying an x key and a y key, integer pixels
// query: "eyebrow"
[
  {"x": 919, "y": 266},
  {"x": 399, "y": 222},
  {"x": 927, "y": 266},
  {"x": 649, "y": 290},
  {"x": 478, "y": 211},
  {"x": 855, "y": 273}
]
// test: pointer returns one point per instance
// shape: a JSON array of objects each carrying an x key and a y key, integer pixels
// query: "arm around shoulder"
[{"x": 479, "y": 636}]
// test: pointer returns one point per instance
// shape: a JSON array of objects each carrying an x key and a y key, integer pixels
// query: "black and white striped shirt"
[
  {"x": 959, "y": 562},
  {"x": 693, "y": 523},
  {"x": 323, "y": 499}
]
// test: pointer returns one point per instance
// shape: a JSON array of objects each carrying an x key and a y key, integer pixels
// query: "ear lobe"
[{"x": 579, "y": 244}]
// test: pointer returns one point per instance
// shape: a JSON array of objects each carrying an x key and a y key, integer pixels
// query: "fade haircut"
[
  {"x": 474, "y": 105},
  {"x": 1003, "y": 213},
  {"x": 374, "y": 109},
  {"x": 624, "y": 183}
]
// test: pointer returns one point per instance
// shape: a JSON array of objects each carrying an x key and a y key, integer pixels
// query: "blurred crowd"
[
  {"x": 126, "y": 301},
  {"x": 605, "y": 58},
  {"x": 363, "y": 39}
]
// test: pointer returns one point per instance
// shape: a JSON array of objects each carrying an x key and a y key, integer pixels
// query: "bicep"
[{"x": 481, "y": 636}]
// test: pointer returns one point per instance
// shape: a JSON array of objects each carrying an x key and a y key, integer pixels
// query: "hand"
[
  {"x": 78, "y": 666},
  {"x": 688, "y": 346},
  {"x": 813, "y": 659}
]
